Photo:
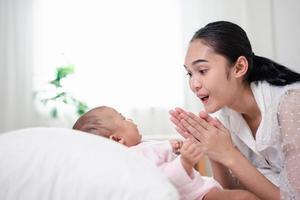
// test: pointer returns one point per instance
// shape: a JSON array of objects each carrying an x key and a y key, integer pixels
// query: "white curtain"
[{"x": 16, "y": 38}]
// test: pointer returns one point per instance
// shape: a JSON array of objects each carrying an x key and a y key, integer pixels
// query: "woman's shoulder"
[
  {"x": 264, "y": 85},
  {"x": 289, "y": 100},
  {"x": 289, "y": 95},
  {"x": 273, "y": 94},
  {"x": 285, "y": 88}
]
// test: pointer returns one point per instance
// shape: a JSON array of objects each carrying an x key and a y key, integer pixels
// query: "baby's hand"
[
  {"x": 190, "y": 154},
  {"x": 176, "y": 145}
]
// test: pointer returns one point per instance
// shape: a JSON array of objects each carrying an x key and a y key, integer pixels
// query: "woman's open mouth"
[{"x": 204, "y": 99}]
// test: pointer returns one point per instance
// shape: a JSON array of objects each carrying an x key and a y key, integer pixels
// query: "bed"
[{"x": 64, "y": 164}]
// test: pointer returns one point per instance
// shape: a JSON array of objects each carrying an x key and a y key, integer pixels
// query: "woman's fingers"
[
  {"x": 184, "y": 134},
  {"x": 179, "y": 110},
  {"x": 191, "y": 123},
  {"x": 193, "y": 129},
  {"x": 196, "y": 125},
  {"x": 195, "y": 121},
  {"x": 219, "y": 125},
  {"x": 199, "y": 120},
  {"x": 180, "y": 128},
  {"x": 174, "y": 115},
  {"x": 175, "y": 118},
  {"x": 212, "y": 120},
  {"x": 207, "y": 117}
]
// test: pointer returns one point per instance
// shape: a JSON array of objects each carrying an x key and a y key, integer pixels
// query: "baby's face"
[{"x": 126, "y": 128}]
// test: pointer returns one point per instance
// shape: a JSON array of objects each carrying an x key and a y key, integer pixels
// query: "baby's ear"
[{"x": 117, "y": 138}]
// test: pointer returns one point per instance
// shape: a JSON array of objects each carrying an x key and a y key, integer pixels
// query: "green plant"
[{"x": 61, "y": 96}]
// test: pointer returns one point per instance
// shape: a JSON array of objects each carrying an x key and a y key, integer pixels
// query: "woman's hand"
[
  {"x": 213, "y": 138},
  {"x": 175, "y": 118}
]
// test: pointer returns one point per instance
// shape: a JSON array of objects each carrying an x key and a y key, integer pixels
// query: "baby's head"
[{"x": 107, "y": 122}]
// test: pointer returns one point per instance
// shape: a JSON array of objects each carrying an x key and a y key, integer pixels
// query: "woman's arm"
[
  {"x": 216, "y": 143},
  {"x": 250, "y": 177},
  {"x": 223, "y": 175},
  {"x": 289, "y": 123}
]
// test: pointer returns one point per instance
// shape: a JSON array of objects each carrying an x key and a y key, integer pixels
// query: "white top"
[{"x": 275, "y": 151}]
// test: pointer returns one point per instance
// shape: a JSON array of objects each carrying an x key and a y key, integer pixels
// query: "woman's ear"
[
  {"x": 241, "y": 67},
  {"x": 117, "y": 138}
]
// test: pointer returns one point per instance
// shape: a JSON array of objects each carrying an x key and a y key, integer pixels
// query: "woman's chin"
[{"x": 211, "y": 109}]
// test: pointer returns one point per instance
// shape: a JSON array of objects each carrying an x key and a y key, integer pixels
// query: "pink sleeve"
[
  {"x": 160, "y": 153},
  {"x": 194, "y": 187}
]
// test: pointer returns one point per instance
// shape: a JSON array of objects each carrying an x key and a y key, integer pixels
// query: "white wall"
[
  {"x": 286, "y": 32},
  {"x": 273, "y": 28}
]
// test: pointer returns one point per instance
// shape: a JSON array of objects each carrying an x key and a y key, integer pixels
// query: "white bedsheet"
[{"x": 63, "y": 164}]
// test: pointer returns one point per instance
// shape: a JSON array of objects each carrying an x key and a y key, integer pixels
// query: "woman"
[{"x": 255, "y": 144}]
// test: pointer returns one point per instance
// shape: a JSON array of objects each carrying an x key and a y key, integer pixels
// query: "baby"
[{"x": 107, "y": 122}]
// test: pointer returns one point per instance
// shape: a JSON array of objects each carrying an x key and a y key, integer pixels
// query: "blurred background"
[{"x": 59, "y": 58}]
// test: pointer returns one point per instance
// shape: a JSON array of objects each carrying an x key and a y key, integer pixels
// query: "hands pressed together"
[{"x": 206, "y": 134}]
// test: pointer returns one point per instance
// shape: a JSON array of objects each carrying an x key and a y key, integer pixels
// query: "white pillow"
[{"x": 64, "y": 164}]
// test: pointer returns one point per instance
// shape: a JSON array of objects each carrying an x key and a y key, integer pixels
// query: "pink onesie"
[{"x": 161, "y": 154}]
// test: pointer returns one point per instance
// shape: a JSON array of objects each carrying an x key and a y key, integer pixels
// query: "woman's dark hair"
[{"x": 231, "y": 41}]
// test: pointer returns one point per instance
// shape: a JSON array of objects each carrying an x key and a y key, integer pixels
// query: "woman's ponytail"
[{"x": 264, "y": 69}]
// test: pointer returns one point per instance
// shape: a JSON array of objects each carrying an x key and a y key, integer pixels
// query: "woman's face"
[{"x": 210, "y": 77}]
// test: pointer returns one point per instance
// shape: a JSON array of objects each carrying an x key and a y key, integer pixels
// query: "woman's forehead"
[{"x": 198, "y": 51}]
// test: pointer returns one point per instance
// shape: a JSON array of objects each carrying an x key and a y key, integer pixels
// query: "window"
[{"x": 127, "y": 54}]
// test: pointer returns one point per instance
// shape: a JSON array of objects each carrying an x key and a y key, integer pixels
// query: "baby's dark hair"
[{"x": 96, "y": 121}]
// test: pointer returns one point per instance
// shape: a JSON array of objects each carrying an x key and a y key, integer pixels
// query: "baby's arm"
[
  {"x": 179, "y": 170},
  {"x": 190, "y": 155}
]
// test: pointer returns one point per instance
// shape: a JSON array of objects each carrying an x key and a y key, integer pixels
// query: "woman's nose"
[{"x": 195, "y": 83}]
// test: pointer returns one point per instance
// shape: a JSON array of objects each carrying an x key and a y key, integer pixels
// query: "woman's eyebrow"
[{"x": 197, "y": 61}]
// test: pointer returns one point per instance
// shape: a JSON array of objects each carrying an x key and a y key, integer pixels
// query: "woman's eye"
[{"x": 203, "y": 71}]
